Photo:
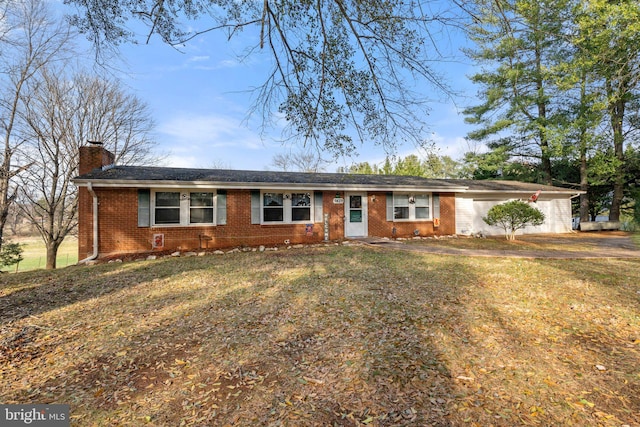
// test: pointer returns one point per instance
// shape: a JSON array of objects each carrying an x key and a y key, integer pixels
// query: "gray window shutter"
[
  {"x": 436, "y": 206},
  {"x": 144, "y": 207},
  {"x": 255, "y": 207},
  {"x": 389, "y": 206},
  {"x": 317, "y": 203},
  {"x": 221, "y": 207}
]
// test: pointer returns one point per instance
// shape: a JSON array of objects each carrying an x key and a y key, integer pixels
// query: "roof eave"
[
  {"x": 101, "y": 183},
  {"x": 568, "y": 191}
]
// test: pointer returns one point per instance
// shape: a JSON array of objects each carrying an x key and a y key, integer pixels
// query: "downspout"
[{"x": 94, "y": 255}]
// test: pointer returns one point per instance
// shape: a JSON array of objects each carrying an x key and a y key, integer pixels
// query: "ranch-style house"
[{"x": 129, "y": 209}]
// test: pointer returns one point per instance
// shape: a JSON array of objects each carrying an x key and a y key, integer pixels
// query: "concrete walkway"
[{"x": 607, "y": 247}]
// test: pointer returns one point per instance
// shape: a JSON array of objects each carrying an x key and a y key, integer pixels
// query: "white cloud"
[
  {"x": 212, "y": 130},
  {"x": 454, "y": 147},
  {"x": 205, "y": 140},
  {"x": 177, "y": 161},
  {"x": 199, "y": 58}
]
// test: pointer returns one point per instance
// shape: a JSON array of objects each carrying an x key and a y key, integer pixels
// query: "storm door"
[{"x": 355, "y": 211}]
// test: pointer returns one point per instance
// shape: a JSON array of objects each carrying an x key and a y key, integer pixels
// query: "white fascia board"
[
  {"x": 257, "y": 186},
  {"x": 492, "y": 194}
]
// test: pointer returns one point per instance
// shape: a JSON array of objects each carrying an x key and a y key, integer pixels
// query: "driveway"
[{"x": 577, "y": 245}]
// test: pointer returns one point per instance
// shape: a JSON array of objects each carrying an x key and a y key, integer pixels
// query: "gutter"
[
  {"x": 263, "y": 186},
  {"x": 94, "y": 255}
]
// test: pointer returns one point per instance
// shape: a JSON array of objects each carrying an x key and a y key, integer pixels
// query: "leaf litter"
[{"x": 342, "y": 336}]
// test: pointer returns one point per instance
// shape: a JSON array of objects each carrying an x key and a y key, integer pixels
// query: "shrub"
[
  {"x": 11, "y": 253},
  {"x": 512, "y": 216}
]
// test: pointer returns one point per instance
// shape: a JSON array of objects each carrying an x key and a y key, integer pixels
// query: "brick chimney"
[{"x": 94, "y": 156}]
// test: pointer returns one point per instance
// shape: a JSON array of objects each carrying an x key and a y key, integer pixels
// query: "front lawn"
[{"x": 327, "y": 336}]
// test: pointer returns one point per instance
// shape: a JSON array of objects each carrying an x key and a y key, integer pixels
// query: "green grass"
[
  {"x": 348, "y": 335},
  {"x": 35, "y": 254}
]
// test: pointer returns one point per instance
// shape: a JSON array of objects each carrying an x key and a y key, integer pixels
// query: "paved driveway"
[{"x": 583, "y": 245}]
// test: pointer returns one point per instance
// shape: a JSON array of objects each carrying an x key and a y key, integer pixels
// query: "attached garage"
[{"x": 474, "y": 203}]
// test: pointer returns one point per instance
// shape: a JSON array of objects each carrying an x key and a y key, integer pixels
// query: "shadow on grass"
[
  {"x": 340, "y": 336},
  {"x": 314, "y": 338},
  {"x": 32, "y": 293}
]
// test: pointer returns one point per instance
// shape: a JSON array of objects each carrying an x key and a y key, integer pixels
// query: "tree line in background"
[
  {"x": 49, "y": 107},
  {"x": 431, "y": 166},
  {"x": 560, "y": 97}
]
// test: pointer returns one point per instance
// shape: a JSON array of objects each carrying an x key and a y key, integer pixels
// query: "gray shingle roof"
[
  {"x": 124, "y": 175},
  {"x": 509, "y": 186},
  {"x": 143, "y": 173}
]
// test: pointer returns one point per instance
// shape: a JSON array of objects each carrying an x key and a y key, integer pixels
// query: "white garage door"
[{"x": 469, "y": 214}]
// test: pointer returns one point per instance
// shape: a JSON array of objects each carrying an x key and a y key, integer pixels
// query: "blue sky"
[{"x": 199, "y": 99}]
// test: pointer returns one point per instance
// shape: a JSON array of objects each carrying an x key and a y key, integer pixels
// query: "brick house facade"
[
  {"x": 129, "y": 214},
  {"x": 125, "y": 209}
]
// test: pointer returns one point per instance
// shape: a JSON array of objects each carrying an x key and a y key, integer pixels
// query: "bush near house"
[{"x": 512, "y": 216}]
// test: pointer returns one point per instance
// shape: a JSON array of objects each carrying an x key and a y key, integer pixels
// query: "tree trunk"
[
  {"x": 52, "y": 254},
  {"x": 545, "y": 150},
  {"x": 4, "y": 209},
  {"x": 616, "y": 110},
  {"x": 584, "y": 184},
  {"x": 584, "y": 176}
]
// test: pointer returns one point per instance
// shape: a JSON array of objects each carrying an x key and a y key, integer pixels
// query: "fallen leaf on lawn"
[
  {"x": 587, "y": 403},
  {"x": 313, "y": 380}
]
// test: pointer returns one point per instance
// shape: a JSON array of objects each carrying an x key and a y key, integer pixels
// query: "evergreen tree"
[
  {"x": 609, "y": 41},
  {"x": 519, "y": 44}
]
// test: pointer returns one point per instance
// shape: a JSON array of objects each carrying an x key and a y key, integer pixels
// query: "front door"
[{"x": 355, "y": 215}]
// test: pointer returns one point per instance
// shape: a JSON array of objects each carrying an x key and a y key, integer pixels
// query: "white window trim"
[
  {"x": 287, "y": 207},
  {"x": 185, "y": 208},
  {"x": 412, "y": 207}
]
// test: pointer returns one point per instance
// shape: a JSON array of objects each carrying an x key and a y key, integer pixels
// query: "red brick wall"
[
  {"x": 92, "y": 157},
  {"x": 119, "y": 231},
  {"x": 380, "y": 227}
]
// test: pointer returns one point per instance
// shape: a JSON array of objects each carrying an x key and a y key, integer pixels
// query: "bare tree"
[
  {"x": 15, "y": 220},
  {"x": 29, "y": 41},
  {"x": 344, "y": 73},
  {"x": 120, "y": 120},
  {"x": 302, "y": 161},
  {"x": 61, "y": 114}
]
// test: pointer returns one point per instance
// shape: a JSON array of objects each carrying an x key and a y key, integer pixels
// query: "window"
[
  {"x": 201, "y": 208},
  {"x": 185, "y": 207},
  {"x": 422, "y": 206},
  {"x": 167, "y": 207},
  {"x": 411, "y": 207},
  {"x": 273, "y": 210},
  {"x": 300, "y": 207},
  {"x": 286, "y": 207},
  {"x": 400, "y": 206}
]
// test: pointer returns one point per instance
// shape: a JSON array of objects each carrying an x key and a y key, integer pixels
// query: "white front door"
[{"x": 355, "y": 215}]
